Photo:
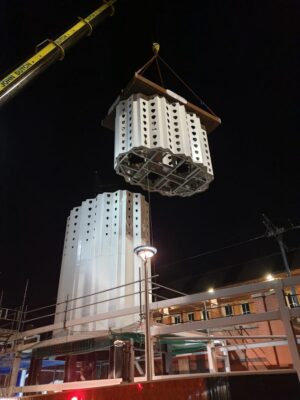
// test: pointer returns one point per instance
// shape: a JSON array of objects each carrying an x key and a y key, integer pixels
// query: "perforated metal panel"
[
  {"x": 98, "y": 255},
  {"x": 161, "y": 147}
]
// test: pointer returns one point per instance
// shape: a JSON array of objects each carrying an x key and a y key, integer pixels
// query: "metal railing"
[
  {"x": 69, "y": 305},
  {"x": 222, "y": 334}
]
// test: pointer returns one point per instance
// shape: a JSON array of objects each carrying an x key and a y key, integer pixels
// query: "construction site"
[
  {"x": 122, "y": 316},
  {"x": 214, "y": 339}
]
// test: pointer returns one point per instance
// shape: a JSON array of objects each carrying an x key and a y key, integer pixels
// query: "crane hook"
[{"x": 155, "y": 48}]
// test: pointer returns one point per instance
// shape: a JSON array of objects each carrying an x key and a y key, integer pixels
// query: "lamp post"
[{"x": 146, "y": 252}]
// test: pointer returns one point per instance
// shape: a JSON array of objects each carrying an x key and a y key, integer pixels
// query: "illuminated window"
[
  {"x": 292, "y": 300},
  {"x": 191, "y": 316},
  {"x": 204, "y": 315},
  {"x": 176, "y": 319},
  {"x": 228, "y": 310},
  {"x": 245, "y": 308}
]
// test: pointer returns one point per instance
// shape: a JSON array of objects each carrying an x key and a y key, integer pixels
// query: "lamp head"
[
  {"x": 145, "y": 252},
  {"x": 119, "y": 343},
  {"x": 270, "y": 277}
]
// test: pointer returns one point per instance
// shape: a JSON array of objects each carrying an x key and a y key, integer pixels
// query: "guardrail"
[{"x": 207, "y": 331}]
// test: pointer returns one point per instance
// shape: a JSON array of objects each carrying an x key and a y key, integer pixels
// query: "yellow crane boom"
[{"x": 50, "y": 51}]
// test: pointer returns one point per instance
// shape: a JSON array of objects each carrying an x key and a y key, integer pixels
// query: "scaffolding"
[{"x": 210, "y": 336}]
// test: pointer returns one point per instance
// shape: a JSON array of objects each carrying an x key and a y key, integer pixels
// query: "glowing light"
[
  {"x": 211, "y": 290},
  {"x": 74, "y": 398},
  {"x": 119, "y": 343},
  {"x": 139, "y": 387},
  {"x": 145, "y": 252},
  {"x": 269, "y": 277}
]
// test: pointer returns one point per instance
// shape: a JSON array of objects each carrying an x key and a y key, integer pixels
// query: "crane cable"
[{"x": 156, "y": 57}]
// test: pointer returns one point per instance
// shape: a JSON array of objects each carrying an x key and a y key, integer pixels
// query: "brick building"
[{"x": 254, "y": 346}]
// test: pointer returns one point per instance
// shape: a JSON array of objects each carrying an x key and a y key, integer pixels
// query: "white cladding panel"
[
  {"x": 154, "y": 123},
  {"x": 98, "y": 255}
]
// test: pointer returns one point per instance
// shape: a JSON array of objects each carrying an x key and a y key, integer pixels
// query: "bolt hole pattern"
[
  {"x": 95, "y": 242},
  {"x": 154, "y": 123}
]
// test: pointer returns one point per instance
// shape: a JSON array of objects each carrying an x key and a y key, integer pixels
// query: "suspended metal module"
[{"x": 161, "y": 139}]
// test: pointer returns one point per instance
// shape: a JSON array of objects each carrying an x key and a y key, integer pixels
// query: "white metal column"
[
  {"x": 211, "y": 357},
  {"x": 226, "y": 356}
]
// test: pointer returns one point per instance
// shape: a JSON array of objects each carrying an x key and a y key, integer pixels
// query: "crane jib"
[
  {"x": 40, "y": 55},
  {"x": 51, "y": 52},
  {"x": 27, "y": 65}
]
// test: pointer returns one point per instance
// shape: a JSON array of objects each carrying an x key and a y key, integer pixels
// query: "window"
[
  {"x": 176, "y": 319},
  {"x": 228, "y": 310},
  {"x": 245, "y": 308},
  {"x": 292, "y": 300},
  {"x": 191, "y": 316},
  {"x": 204, "y": 315}
]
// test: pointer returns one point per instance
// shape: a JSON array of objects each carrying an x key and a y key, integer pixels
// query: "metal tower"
[{"x": 98, "y": 255}]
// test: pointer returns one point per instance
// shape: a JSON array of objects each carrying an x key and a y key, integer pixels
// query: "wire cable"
[
  {"x": 206, "y": 253},
  {"x": 159, "y": 73},
  {"x": 147, "y": 65},
  {"x": 186, "y": 85},
  {"x": 157, "y": 57}
]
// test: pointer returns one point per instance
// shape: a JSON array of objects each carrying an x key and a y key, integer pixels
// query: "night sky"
[{"x": 241, "y": 57}]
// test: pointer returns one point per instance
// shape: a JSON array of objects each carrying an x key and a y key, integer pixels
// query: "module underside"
[
  {"x": 161, "y": 171},
  {"x": 161, "y": 146}
]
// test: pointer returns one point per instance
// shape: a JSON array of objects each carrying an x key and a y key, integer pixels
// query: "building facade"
[{"x": 248, "y": 346}]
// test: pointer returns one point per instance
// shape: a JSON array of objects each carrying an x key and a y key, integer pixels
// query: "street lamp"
[
  {"x": 270, "y": 277},
  {"x": 146, "y": 252}
]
